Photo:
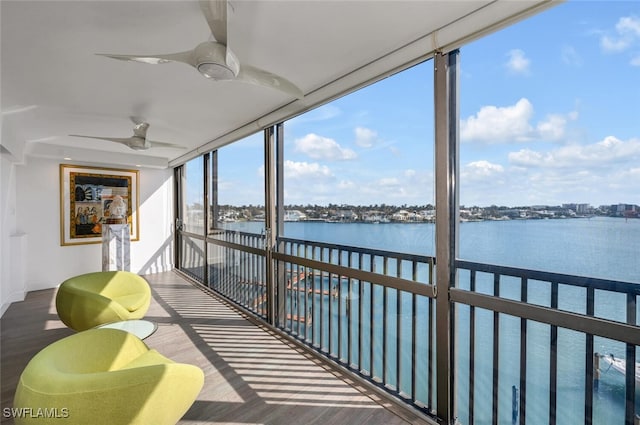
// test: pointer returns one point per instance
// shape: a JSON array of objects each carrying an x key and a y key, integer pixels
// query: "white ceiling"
[{"x": 54, "y": 85}]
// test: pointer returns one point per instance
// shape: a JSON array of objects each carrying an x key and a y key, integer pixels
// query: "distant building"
[
  {"x": 345, "y": 215},
  {"x": 624, "y": 210},
  {"x": 374, "y": 216},
  {"x": 294, "y": 215},
  {"x": 578, "y": 209},
  {"x": 583, "y": 208},
  {"x": 428, "y": 215},
  {"x": 402, "y": 215}
]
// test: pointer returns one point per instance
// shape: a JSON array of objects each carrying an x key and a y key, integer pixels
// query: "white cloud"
[
  {"x": 308, "y": 182},
  {"x": 598, "y": 155},
  {"x": 629, "y": 25},
  {"x": 527, "y": 158},
  {"x": 627, "y": 35},
  {"x": 599, "y": 173},
  {"x": 318, "y": 147},
  {"x": 635, "y": 61},
  {"x": 393, "y": 189},
  {"x": 481, "y": 170},
  {"x": 493, "y": 124},
  {"x": 305, "y": 170},
  {"x": 296, "y": 170},
  {"x": 481, "y": 183},
  {"x": 634, "y": 173},
  {"x": 365, "y": 137},
  {"x": 550, "y": 186},
  {"x": 552, "y": 128},
  {"x": 518, "y": 62},
  {"x": 614, "y": 45},
  {"x": 408, "y": 186},
  {"x": 511, "y": 124}
]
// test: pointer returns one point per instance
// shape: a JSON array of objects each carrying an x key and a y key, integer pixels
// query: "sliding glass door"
[
  {"x": 221, "y": 221},
  {"x": 191, "y": 218}
]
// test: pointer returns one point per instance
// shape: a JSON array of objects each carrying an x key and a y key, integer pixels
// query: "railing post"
[
  {"x": 514, "y": 404},
  {"x": 630, "y": 381},
  {"x": 447, "y": 205}
]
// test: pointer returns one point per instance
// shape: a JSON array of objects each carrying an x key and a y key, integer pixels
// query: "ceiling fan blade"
[
  {"x": 184, "y": 57},
  {"x": 154, "y": 144},
  {"x": 253, "y": 75},
  {"x": 110, "y": 139},
  {"x": 215, "y": 12}
]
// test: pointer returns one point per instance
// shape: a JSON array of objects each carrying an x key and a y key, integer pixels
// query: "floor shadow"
[{"x": 252, "y": 375}]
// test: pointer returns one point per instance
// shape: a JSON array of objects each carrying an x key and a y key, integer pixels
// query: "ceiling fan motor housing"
[
  {"x": 138, "y": 144},
  {"x": 210, "y": 60}
]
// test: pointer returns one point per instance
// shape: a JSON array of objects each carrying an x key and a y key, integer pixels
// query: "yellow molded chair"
[
  {"x": 104, "y": 376},
  {"x": 93, "y": 299}
]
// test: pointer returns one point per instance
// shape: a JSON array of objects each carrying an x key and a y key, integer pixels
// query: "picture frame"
[{"x": 86, "y": 198}]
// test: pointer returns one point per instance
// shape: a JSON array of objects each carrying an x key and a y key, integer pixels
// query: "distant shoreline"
[
  {"x": 382, "y": 214},
  {"x": 433, "y": 221}
]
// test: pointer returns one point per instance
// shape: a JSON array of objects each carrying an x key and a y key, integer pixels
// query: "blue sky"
[{"x": 549, "y": 114}]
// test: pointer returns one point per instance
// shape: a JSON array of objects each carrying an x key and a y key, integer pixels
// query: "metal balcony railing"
[
  {"x": 530, "y": 347},
  {"x": 237, "y": 269},
  {"x": 552, "y": 332},
  {"x": 372, "y": 311},
  {"x": 193, "y": 260}
]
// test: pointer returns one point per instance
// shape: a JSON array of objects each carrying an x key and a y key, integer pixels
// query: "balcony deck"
[{"x": 252, "y": 375}]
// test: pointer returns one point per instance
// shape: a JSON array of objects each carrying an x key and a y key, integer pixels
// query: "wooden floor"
[{"x": 252, "y": 376}]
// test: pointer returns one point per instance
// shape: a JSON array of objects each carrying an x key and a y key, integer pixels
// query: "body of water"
[{"x": 601, "y": 247}]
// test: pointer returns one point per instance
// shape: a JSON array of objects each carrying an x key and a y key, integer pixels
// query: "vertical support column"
[
  {"x": 206, "y": 159},
  {"x": 270, "y": 221},
  {"x": 177, "y": 214},
  {"x": 279, "y": 220},
  {"x": 447, "y": 205},
  {"x": 215, "y": 209},
  {"x": 279, "y": 128}
]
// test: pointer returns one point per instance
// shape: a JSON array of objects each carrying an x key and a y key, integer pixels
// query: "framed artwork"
[{"x": 91, "y": 197}]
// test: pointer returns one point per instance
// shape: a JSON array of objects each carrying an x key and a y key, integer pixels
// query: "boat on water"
[{"x": 619, "y": 364}]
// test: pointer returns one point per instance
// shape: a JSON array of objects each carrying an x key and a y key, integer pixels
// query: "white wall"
[
  {"x": 11, "y": 282},
  {"x": 38, "y": 216}
]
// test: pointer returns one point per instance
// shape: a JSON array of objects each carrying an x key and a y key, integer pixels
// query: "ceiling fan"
[
  {"x": 138, "y": 141},
  {"x": 215, "y": 59}
]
